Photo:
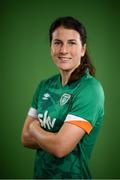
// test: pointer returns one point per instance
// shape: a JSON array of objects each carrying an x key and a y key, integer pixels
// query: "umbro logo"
[{"x": 46, "y": 96}]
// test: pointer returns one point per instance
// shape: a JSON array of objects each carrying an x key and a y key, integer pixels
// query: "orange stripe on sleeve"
[{"x": 85, "y": 125}]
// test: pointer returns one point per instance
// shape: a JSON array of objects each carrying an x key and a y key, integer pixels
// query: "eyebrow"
[
  {"x": 72, "y": 39},
  {"x": 68, "y": 40}
]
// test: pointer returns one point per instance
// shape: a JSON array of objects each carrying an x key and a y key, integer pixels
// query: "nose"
[{"x": 64, "y": 49}]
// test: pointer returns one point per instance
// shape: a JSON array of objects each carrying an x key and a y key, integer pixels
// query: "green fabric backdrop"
[{"x": 25, "y": 60}]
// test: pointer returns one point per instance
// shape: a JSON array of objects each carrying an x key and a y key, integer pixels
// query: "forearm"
[
  {"x": 46, "y": 140},
  {"x": 27, "y": 139},
  {"x": 59, "y": 144},
  {"x": 29, "y": 142}
]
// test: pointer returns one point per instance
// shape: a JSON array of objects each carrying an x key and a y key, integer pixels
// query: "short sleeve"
[
  {"x": 34, "y": 106},
  {"x": 87, "y": 105}
]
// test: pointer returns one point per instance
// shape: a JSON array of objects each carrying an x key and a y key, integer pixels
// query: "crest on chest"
[{"x": 64, "y": 99}]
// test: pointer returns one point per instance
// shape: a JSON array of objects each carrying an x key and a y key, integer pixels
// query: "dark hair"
[{"x": 72, "y": 23}]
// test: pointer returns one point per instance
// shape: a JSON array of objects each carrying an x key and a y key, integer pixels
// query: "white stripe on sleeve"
[
  {"x": 33, "y": 112},
  {"x": 71, "y": 117}
]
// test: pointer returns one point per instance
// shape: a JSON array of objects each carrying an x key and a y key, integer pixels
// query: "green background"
[{"x": 25, "y": 60}]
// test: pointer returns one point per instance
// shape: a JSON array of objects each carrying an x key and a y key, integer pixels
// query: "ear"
[{"x": 83, "y": 50}]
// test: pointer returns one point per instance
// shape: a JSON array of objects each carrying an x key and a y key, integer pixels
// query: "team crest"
[{"x": 64, "y": 99}]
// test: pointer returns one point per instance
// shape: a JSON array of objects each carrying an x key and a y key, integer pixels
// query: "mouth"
[{"x": 64, "y": 59}]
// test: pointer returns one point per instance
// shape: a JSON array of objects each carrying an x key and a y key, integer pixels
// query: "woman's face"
[{"x": 66, "y": 49}]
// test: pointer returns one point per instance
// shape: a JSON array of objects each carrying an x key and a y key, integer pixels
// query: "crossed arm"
[{"x": 58, "y": 144}]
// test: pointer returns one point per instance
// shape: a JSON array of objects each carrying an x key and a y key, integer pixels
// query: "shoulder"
[
  {"x": 90, "y": 88},
  {"x": 91, "y": 83},
  {"x": 48, "y": 82},
  {"x": 51, "y": 79}
]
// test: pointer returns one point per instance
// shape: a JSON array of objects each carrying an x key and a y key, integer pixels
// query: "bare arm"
[
  {"x": 58, "y": 144},
  {"x": 27, "y": 139}
]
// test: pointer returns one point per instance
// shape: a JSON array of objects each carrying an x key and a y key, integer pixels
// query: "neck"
[{"x": 65, "y": 75}]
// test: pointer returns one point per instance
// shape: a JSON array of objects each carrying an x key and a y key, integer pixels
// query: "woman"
[{"x": 67, "y": 109}]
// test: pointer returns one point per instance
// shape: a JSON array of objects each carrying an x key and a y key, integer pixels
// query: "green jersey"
[{"x": 80, "y": 103}]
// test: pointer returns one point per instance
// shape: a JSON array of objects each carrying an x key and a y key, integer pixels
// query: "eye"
[
  {"x": 72, "y": 43},
  {"x": 57, "y": 43}
]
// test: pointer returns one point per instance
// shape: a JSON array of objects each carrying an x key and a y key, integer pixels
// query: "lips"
[{"x": 63, "y": 58}]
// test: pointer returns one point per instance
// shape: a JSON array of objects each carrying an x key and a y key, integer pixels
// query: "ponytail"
[{"x": 81, "y": 69}]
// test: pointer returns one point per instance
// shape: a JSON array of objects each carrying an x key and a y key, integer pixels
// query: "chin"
[{"x": 64, "y": 69}]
